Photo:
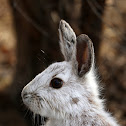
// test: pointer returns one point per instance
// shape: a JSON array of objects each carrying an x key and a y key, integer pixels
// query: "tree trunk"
[
  {"x": 35, "y": 32},
  {"x": 36, "y": 24}
]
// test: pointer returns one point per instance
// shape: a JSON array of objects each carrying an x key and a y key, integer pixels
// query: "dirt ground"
[{"x": 112, "y": 62}]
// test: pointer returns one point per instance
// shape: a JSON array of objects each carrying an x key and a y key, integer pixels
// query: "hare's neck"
[{"x": 91, "y": 118}]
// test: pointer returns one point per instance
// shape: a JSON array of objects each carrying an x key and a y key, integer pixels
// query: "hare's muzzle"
[{"x": 27, "y": 96}]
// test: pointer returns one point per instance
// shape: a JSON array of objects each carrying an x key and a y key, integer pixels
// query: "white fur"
[{"x": 76, "y": 103}]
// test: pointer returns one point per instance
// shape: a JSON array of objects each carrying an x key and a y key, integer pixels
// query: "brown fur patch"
[{"x": 75, "y": 100}]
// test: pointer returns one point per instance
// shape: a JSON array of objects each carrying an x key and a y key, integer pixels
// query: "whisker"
[
  {"x": 26, "y": 113},
  {"x": 48, "y": 103}
]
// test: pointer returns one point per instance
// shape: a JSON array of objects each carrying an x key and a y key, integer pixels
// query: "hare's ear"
[
  {"x": 85, "y": 54},
  {"x": 67, "y": 41}
]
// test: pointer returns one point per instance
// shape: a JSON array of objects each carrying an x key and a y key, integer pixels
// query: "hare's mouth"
[
  {"x": 32, "y": 101},
  {"x": 37, "y": 104}
]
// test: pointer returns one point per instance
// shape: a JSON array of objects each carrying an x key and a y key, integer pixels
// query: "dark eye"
[{"x": 56, "y": 83}]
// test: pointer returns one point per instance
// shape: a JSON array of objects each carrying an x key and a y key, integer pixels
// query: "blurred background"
[{"x": 29, "y": 43}]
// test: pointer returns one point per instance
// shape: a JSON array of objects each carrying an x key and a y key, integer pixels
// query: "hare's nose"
[
  {"x": 25, "y": 95},
  {"x": 25, "y": 92}
]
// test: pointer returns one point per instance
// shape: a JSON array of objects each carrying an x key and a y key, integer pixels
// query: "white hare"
[{"x": 67, "y": 92}]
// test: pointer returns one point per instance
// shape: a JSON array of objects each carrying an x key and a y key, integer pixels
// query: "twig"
[{"x": 31, "y": 21}]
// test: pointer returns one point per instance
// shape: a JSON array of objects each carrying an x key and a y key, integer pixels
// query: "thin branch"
[{"x": 31, "y": 21}]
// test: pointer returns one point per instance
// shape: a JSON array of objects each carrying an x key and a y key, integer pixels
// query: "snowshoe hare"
[{"x": 67, "y": 92}]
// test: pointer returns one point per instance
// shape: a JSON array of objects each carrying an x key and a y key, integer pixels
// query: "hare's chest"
[
  {"x": 63, "y": 123},
  {"x": 54, "y": 122}
]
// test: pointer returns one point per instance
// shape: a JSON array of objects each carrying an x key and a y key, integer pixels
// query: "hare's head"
[{"x": 64, "y": 87}]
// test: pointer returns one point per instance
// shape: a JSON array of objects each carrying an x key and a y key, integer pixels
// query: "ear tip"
[
  {"x": 62, "y": 21},
  {"x": 84, "y": 38}
]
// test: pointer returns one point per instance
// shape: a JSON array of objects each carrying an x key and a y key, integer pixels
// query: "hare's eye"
[{"x": 56, "y": 83}]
